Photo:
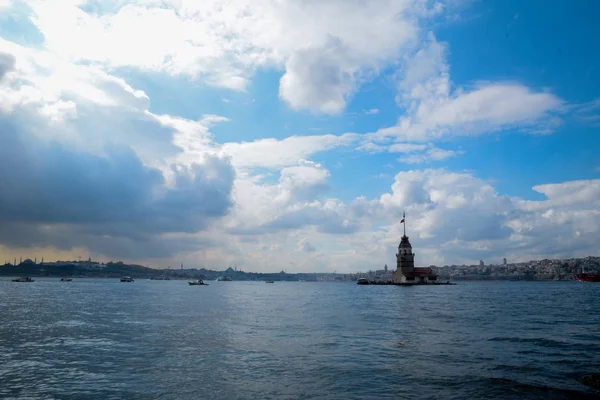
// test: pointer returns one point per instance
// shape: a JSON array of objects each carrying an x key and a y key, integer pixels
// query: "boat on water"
[
  {"x": 126, "y": 279},
  {"x": 269, "y": 281},
  {"x": 583, "y": 277},
  {"x": 66, "y": 279},
  {"x": 23, "y": 279},
  {"x": 198, "y": 282},
  {"x": 224, "y": 279},
  {"x": 586, "y": 277},
  {"x": 362, "y": 281}
]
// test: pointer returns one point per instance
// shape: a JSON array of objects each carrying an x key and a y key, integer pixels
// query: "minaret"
[{"x": 405, "y": 258}]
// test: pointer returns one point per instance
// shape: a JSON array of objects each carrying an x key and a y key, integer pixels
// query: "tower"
[{"x": 405, "y": 258}]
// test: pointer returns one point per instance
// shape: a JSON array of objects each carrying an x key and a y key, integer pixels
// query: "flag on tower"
[{"x": 402, "y": 221}]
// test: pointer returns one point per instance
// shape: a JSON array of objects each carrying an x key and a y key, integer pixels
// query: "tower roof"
[{"x": 404, "y": 243}]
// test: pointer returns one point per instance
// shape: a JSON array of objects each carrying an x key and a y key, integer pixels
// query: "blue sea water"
[{"x": 102, "y": 339}]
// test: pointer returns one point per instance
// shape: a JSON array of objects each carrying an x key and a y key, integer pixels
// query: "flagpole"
[{"x": 404, "y": 223}]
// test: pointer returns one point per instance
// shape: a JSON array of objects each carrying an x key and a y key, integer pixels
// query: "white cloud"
[
  {"x": 451, "y": 218},
  {"x": 192, "y": 137},
  {"x": 302, "y": 182},
  {"x": 434, "y": 110},
  {"x": 415, "y": 152},
  {"x": 59, "y": 111},
  {"x": 372, "y": 111},
  {"x": 39, "y": 78},
  {"x": 275, "y": 153},
  {"x": 457, "y": 218},
  {"x": 324, "y": 47},
  {"x": 392, "y": 148},
  {"x": 4, "y": 4},
  {"x": 316, "y": 81},
  {"x": 568, "y": 194},
  {"x": 433, "y": 154},
  {"x": 405, "y": 147}
]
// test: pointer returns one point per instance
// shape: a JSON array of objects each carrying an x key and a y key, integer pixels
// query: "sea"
[{"x": 103, "y": 339}]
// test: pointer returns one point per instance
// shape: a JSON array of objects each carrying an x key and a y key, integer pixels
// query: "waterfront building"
[{"x": 406, "y": 272}]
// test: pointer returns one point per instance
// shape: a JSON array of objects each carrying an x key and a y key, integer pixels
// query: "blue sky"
[{"x": 293, "y": 135}]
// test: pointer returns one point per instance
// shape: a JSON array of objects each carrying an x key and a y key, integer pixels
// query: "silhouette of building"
[
  {"x": 504, "y": 261},
  {"x": 405, "y": 264}
]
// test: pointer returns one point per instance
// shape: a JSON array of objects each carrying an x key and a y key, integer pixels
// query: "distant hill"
[
  {"x": 75, "y": 268},
  {"x": 560, "y": 269},
  {"x": 536, "y": 270},
  {"x": 117, "y": 269}
]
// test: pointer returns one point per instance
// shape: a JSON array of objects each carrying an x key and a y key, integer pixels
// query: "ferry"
[
  {"x": 127, "y": 279},
  {"x": 585, "y": 277},
  {"x": 23, "y": 279},
  {"x": 66, "y": 279},
  {"x": 224, "y": 279},
  {"x": 362, "y": 281}
]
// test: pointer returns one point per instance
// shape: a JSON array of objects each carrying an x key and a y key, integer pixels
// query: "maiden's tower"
[{"x": 405, "y": 272}]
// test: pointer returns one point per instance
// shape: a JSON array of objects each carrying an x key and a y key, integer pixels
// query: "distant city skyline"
[{"x": 293, "y": 135}]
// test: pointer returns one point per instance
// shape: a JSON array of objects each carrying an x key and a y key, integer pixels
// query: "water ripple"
[{"x": 99, "y": 339}]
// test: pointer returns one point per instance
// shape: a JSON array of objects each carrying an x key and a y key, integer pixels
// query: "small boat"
[
  {"x": 23, "y": 279},
  {"x": 224, "y": 279},
  {"x": 126, "y": 279},
  {"x": 197, "y": 282},
  {"x": 269, "y": 281},
  {"x": 362, "y": 281},
  {"x": 66, "y": 279}
]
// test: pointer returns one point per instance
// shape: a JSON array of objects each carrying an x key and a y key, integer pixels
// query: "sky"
[{"x": 293, "y": 135}]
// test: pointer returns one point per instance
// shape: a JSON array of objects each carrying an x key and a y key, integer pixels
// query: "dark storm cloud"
[
  {"x": 112, "y": 196},
  {"x": 7, "y": 63}
]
